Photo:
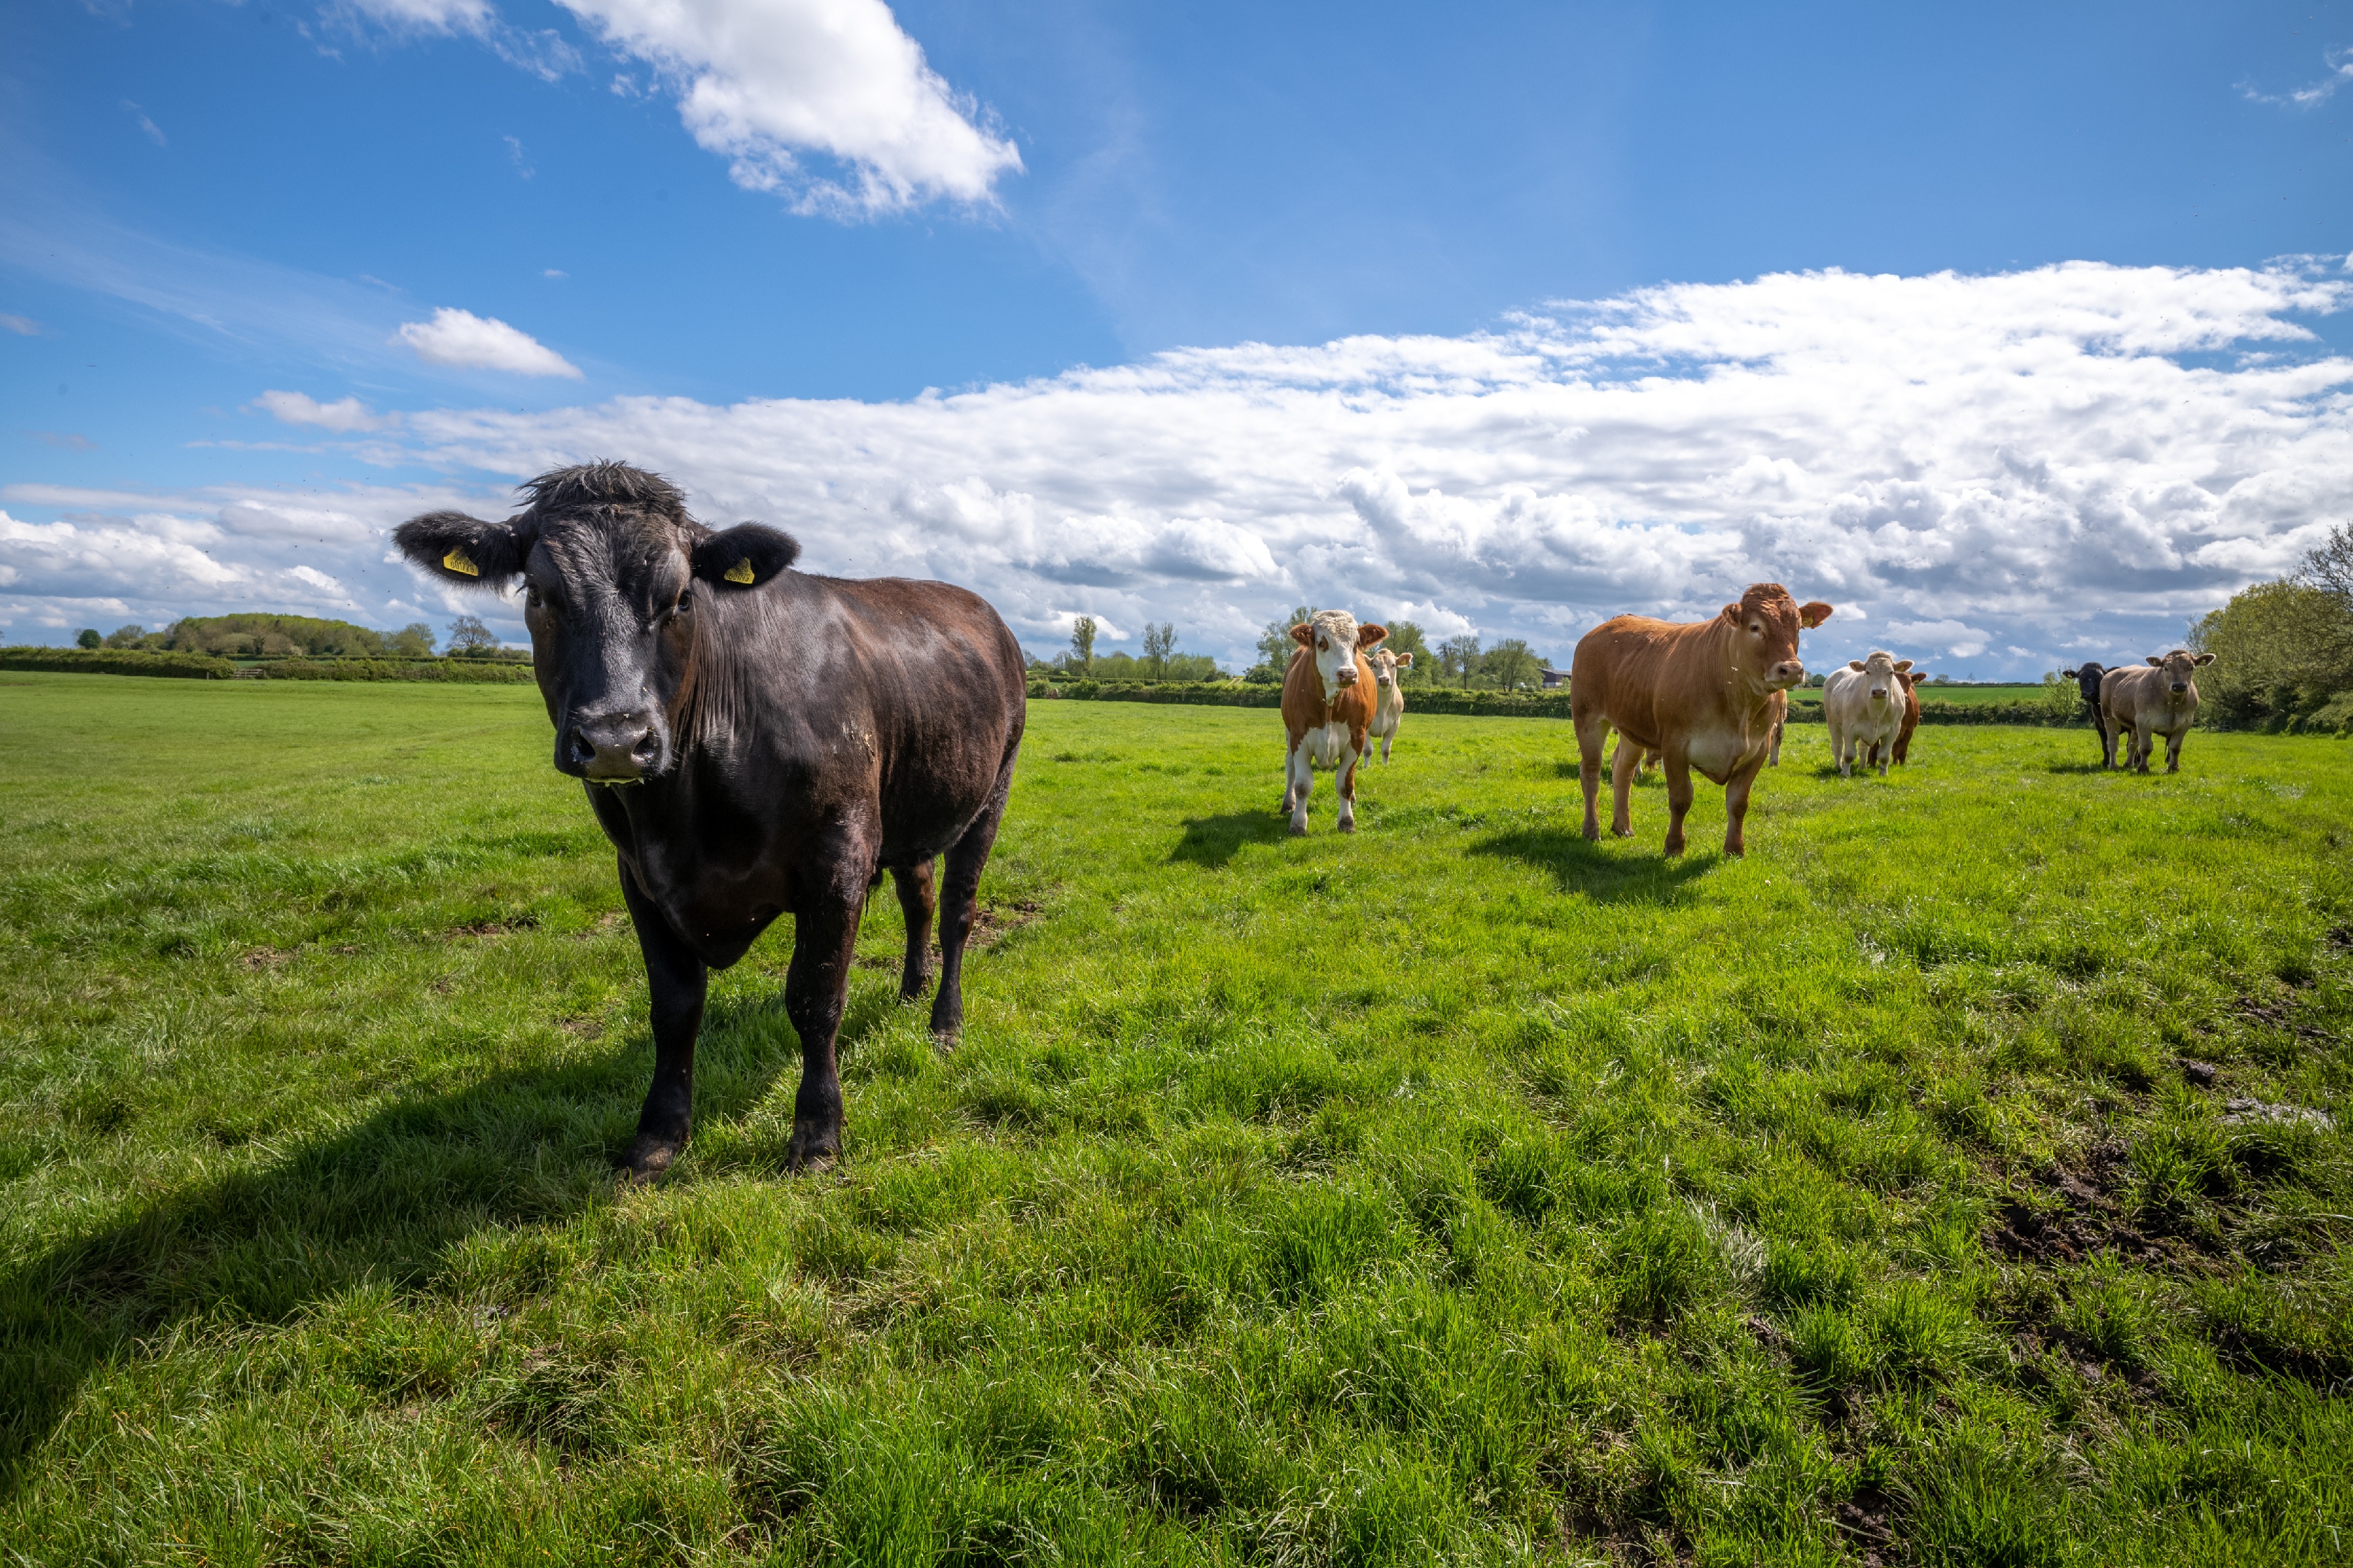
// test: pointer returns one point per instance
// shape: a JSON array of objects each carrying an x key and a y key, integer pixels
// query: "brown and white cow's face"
[
  {"x": 1880, "y": 671},
  {"x": 1765, "y": 626},
  {"x": 1386, "y": 666},
  {"x": 1334, "y": 638},
  {"x": 2180, "y": 669}
]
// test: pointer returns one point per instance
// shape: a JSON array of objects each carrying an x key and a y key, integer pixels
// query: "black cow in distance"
[
  {"x": 2086, "y": 677},
  {"x": 755, "y": 741}
]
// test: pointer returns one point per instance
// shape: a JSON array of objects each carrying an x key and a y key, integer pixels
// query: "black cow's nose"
[{"x": 613, "y": 748}]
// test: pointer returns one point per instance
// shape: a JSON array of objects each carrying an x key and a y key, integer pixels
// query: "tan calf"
[
  {"x": 2159, "y": 698},
  {"x": 1327, "y": 710},
  {"x": 1389, "y": 710}
]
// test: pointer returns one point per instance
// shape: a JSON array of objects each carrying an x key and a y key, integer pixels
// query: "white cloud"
[
  {"x": 155, "y": 132},
  {"x": 463, "y": 339},
  {"x": 2074, "y": 458},
  {"x": 1943, "y": 637},
  {"x": 345, "y": 415},
  {"x": 23, "y": 326},
  {"x": 771, "y": 85},
  {"x": 764, "y": 83},
  {"x": 2340, "y": 71}
]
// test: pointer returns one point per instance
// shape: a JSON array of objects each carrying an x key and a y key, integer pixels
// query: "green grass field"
[{"x": 1455, "y": 1192}]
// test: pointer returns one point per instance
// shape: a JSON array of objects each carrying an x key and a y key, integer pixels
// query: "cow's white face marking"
[{"x": 1331, "y": 636}]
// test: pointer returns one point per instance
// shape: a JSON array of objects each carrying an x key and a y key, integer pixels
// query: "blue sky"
[{"x": 218, "y": 222}]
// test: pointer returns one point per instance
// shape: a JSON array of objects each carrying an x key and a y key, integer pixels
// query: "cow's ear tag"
[
  {"x": 739, "y": 572},
  {"x": 458, "y": 561}
]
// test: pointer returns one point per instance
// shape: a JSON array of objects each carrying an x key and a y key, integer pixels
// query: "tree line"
[
  {"x": 2283, "y": 649},
  {"x": 264, "y": 636}
]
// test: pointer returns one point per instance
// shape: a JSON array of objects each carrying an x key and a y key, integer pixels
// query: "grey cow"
[{"x": 2159, "y": 698}]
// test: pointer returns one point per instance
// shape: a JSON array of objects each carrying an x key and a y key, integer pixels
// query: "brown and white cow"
[
  {"x": 1389, "y": 709},
  {"x": 1863, "y": 706},
  {"x": 1327, "y": 710},
  {"x": 1704, "y": 696},
  {"x": 2159, "y": 698}
]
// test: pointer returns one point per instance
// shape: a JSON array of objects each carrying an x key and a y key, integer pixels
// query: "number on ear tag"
[
  {"x": 739, "y": 572},
  {"x": 458, "y": 561}
]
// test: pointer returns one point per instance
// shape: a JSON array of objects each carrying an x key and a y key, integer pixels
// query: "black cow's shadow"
[
  {"x": 385, "y": 1201},
  {"x": 1212, "y": 841},
  {"x": 1580, "y": 866}
]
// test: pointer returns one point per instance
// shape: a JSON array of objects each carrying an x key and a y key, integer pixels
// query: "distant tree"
[
  {"x": 2330, "y": 567},
  {"x": 1459, "y": 656},
  {"x": 1082, "y": 643},
  {"x": 1159, "y": 642},
  {"x": 1512, "y": 664},
  {"x": 89, "y": 637},
  {"x": 469, "y": 638},
  {"x": 126, "y": 636},
  {"x": 413, "y": 640}
]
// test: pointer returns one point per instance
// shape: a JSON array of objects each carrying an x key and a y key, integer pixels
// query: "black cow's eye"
[
  {"x": 685, "y": 603},
  {"x": 532, "y": 597}
]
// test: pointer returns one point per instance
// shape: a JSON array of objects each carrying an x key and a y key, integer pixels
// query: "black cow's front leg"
[
  {"x": 916, "y": 901},
  {"x": 677, "y": 981},
  {"x": 816, "y": 986}
]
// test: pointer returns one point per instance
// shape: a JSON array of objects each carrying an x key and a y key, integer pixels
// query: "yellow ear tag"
[
  {"x": 739, "y": 572},
  {"x": 457, "y": 561}
]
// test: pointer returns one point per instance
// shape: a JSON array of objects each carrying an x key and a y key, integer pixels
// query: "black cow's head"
[
  {"x": 2086, "y": 677},
  {"x": 612, "y": 571}
]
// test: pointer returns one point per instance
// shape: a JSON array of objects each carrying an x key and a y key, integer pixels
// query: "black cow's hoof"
[
  {"x": 813, "y": 1148},
  {"x": 650, "y": 1155}
]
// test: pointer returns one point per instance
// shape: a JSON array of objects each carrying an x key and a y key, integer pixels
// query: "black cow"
[
  {"x": 2086, "y": 677},
  {"x": 784, "y": 738}
]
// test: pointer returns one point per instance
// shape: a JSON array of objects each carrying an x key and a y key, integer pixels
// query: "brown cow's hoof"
[
  {"x": 813, "y": 1148},
  {"x": 651, "y": 1154},
  {"x": 1348, "y": 827},
  {"x": 1297, "y": 831}
]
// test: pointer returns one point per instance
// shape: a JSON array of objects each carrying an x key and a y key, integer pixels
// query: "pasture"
[{"x": 1459, "y": 1190}]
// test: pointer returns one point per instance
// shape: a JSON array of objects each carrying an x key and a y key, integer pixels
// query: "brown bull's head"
[
  {"x": 1765, "y": 626},
  {"x": 612, "y": 568}
]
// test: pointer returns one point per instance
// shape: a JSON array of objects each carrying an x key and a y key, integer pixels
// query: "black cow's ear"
[
  {"x": 746, "y": 555},
  {"x": 2067, "y": 675},
  {"x": 465, "y": 549}
]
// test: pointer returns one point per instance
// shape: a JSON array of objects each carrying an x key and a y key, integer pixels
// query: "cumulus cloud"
[
  {"x": 2071, "y": 460},
  {"x": 112, "y": 557},
  {"x": 345, "y": 415},
  {"x": 827, "y": 103},
  {"x": 463, "y": 339},
  {"x": 764, "y": 83}
]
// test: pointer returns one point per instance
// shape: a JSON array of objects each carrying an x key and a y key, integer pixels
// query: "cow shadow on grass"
[
  {"x": 1213, "y": 841},
  {"x": 387, "y": 1201},
  {"x": 1607, "y": 877}
]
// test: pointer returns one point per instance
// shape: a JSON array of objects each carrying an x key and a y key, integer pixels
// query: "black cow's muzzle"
[{"x": 611, "y": 748}]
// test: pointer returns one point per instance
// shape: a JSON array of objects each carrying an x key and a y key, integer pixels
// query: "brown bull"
[{"x": 1705, "y": 696}]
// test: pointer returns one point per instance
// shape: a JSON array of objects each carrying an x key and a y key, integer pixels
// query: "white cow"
[
  {"x": 1864, "y": 707},
  {"x": 1390, "y": 712}
]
